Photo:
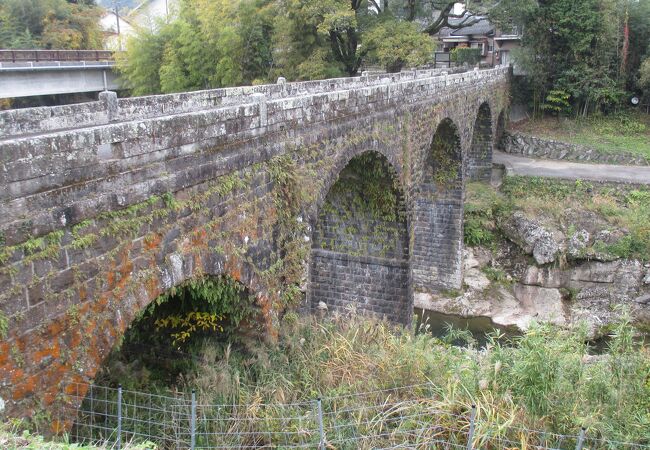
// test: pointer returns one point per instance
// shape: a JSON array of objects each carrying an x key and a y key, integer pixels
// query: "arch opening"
[
  {"x": 166, "y": 349},
  {"x": 360, "y": 242},
  {"x": 480, "y": 153},
  {"x": 444, "y": 159},
  {"x": 162, "y": 344}
]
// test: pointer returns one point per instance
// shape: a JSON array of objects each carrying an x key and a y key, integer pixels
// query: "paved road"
[{"x": 519, "y": 165}]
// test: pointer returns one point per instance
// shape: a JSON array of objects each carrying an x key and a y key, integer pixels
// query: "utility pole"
[{"x": 117, "y": 19}]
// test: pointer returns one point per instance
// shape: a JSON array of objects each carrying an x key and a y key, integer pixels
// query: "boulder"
[
  {"x": 533, "y": 238},
  {"x": 578, "y": 243},
  {"x": 541, "y": 304},
  {"x": 476, "y": 280},
  {"x": 547, "y": 277},
  {"x": 623, "y": 277}
]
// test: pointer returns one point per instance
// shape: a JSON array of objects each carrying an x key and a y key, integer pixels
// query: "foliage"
[
  {"x": 444, "y": 157},
  {"x": 210, "y": 44},
  {"x": 466, "y": 55},
  {"x": 50, "y": 24},
  {"x": 4, "y": 325},
  {"x": 198, "y": 307},
  {"x": 557, "y": 102},
  {"x": 610, "y": 208},
  {"x": 200, "y": 304},
  {"x": 188, "y": 324},
  {"x": 395, "y": 44},
  {"x": 495, "y": 275},
  {"x": 543, "y": 379},
  {"x": 644, "y": 76},
  {"x": 161, "y": 343},
  {"x": 219, "y": 43},
  {"x": 11, "y": 438},
  {"x": 482, "y": 205},
  {"x": 617, "y": 207},
  {"x": 576, "y": 48}
]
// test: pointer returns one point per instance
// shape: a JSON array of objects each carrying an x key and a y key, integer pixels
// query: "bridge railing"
[
  {"x": 55, "y": 55},
  {"x": 47, "y": 119}
]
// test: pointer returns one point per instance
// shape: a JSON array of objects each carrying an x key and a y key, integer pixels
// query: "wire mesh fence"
[{"x": 405, "y": 417}]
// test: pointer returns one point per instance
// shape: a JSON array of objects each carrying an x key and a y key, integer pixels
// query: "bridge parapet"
[{"x": 46, "y": 119}]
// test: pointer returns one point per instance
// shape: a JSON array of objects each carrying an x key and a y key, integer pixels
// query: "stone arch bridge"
[{"x": 106, "y": 205}]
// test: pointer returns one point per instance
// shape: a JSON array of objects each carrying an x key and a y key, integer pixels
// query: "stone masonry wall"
[
  {"x": 44, "y": 119},
  {"x": 97, "y": 221},
  {"x": 480, "y": 155},
  {"x": 377, "y": 286},
  {"x": 523, "y": 144},
  {"x": 360, "y": 244}
]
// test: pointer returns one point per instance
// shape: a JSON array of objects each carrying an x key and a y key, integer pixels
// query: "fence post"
[
  {"x": 119, "y": 416},
  {"x": 581, "y": 439},
  {"x": 470, "y": 436},
  {"x": 193, "y": 421},
  {"x": 321, "y": 443}
]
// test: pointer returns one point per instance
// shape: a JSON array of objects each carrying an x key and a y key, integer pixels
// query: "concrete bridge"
[
  {"x": 25, "y": 73},
  {"x": 346, "y": 191}
]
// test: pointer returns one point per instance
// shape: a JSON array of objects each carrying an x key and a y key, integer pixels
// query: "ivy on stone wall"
[
  {"x": 445, "y": 155},
  {"x": 364, "y": 212}
]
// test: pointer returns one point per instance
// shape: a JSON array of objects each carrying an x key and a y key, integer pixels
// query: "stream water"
[{"x": 438, "y": 325}]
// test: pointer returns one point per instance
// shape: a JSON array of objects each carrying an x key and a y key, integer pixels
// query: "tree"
[
  {"x": 57, "y": 24},
  {"x": 395, "y": 44},
  {"x": 644, "y": 77},
  {"x": 300, "y": 50},
  {"x": 574, "y": 48},
  {"x": 212, "y": 43},
  {"x": 639, "y": 41}
]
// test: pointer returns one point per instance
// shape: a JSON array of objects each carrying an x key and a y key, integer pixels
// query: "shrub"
[{"x": 466, "y": 55}]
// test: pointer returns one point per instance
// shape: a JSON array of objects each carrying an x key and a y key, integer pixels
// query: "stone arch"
[
  {"x": 444, "y": 159},
  {"x": 479, "y": 159},
  {"x": 360, "y": 244},
  {"x": 438, "y": 214},
  {"x": 78, "y": 390},
  {"x": 343, "y": 159},
  {"x": 104, "y": 321}
]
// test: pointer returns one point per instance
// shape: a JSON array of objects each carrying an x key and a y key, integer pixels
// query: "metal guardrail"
[
  {"x": 54, "y": 65},
  {"x": 55, "y": 55}
]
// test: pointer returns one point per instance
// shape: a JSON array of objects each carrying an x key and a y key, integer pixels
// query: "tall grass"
[
  {"x": 544, "y": 379},
  {"x": 383, "y": 385}
]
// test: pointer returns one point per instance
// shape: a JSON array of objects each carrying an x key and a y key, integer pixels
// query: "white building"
[{"x": 146, "y": 14}]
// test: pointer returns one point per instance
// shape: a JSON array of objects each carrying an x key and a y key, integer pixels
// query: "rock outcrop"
[
  {"x": 535, "y": 239},
  {"x": 594, "y": 292}
]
